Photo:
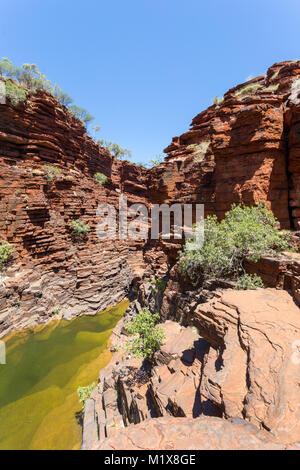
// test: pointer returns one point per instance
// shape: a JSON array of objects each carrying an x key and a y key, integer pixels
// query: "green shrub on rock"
[
  {"x": 51, "y": 172},
  {"x": 100, "y": 178},
  {"x": 6, "y": 250},
  {"x": 248, "y": 281},
  {"x": 15, "y": 92},
  {"x": 84, "y": 394},
  {"x": 246, "y": 233},
  {"x": 148, "y": 337},
  {"x": 158, "y": 284},
  {"x": 79, "y": 228}
]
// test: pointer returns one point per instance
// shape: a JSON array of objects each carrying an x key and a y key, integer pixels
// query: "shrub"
[
  {"x": 51, "y": 172},
  {"x": 218, "y": 101},
  {"x": 295, "y": 91},
  {"x": 79, "y": 228},
  {"x": 246, "y": 233},
  {"x": 100, "y": 178},
  {"x": 199, "y": 150},
  {"x": 155, "y": 161},
  {"x": 248, "y": 90},
  {"x": 15, "y": 92},
  {"x": 159, "y": 284},
  {"x": 248, "y": 281},
  {"x": 148, "y": 337},
  {"x": 84, "y": 394},
  {"x": 6, "y": 250},
  {"x": 30, "y": 80},
  {"x": 272, "y": 87},
  {"x": 115, "y": 149},
  {"x": 56, "y": 311},
  {"x": 62, "y": 97},
  {"x": 81, "y": 114}
]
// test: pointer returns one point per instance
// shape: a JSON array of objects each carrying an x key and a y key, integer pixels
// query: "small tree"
[
  {"x": 62, "y": 97},
  {"x": 115, "y": 149},
  {"x": 148, "y": 337},
  {"x": 6, "y": 250},
  {"x": 79, "y": 228},
  {"x": 81, "y": 114},
  {"x": 100, "y": 178},
  {"x": 96, "y": 129},
  {"x": 84, "y": 394},
  {"x": 155, "y": 161}
]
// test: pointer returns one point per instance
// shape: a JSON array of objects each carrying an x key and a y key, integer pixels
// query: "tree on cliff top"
[
  {"x": 31, "y": 80},
  {"x": 115, "y": 149}
]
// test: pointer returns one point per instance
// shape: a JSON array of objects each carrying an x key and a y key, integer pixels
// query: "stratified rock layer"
[
  {"x": 242, "y": 150},
  {"x": 50, "y": 270}
]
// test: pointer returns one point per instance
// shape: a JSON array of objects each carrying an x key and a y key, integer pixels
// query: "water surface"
[{"x": 38, "y": 385}]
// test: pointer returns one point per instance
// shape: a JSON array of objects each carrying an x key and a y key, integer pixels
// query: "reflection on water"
[{"x": 38, "y": 385}]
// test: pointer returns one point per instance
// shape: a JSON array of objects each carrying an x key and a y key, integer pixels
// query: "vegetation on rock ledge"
[
  {"x": 79, "y": 228},
  {"x": 246, "y": 233},
  {"x": 100, "y": 178},
  {"x": 29, "y": 80},
  {"x": 148, "y": 336},
  {"x": 6, "y": 250}
]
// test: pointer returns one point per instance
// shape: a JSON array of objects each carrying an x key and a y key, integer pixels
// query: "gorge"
[{"x": 235, "y": 379}]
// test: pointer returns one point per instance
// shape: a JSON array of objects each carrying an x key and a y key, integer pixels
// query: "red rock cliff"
[
  {"x": 49, "y": 270},
  {"x": 243, "y": 149}
]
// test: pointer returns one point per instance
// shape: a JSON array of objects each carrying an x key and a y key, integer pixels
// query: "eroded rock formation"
[
  {"x": 50, "y": 270},
  {"x": 243, "y": 367},
  {"x": 191, "y": 434}
]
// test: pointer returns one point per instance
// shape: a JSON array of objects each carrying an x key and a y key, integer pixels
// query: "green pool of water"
[{"x": 38, "y": 385}]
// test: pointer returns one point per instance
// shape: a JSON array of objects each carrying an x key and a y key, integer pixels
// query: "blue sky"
[{"x": 145, "y": 68}]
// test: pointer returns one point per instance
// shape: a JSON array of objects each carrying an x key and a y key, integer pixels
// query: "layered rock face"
[
  {"x": 50, "y": 269},
  {"x": 242, "y": 150}
]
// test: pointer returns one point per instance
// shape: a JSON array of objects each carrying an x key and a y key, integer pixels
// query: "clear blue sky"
[{"x": 145, "y": 68}]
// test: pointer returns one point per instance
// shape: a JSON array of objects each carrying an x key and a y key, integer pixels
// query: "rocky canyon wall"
[
  {"x": 244, "y": 148},
  {"x": 50, "y": 270}
]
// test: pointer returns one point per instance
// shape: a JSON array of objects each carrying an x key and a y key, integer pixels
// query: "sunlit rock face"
[
  {"x": 50, "y": 270},
  {"x": 240, "y": 150}
]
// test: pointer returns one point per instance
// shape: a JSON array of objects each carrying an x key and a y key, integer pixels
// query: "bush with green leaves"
[
  {"x": 62, "y": 96},
  {"x": 246, "y": 233},
  {"x": 249, "y": 281},
  {"x": 155, "y": 161},
  {"x": 51, "y": 172},
  {"x": 79, "y": 228},
  {"x": 81, "y": 114},
  {"x": 100, "y": 178},
  {"x": 148, "y": 337},
  {"x": 6, "y": 250},
  {"x": 84, "y": 394},
  {"x": 15, "y": 92},
  {"x": 28, "y": 80},
  {"x": 115, "y": 149},
  {"x": 158, "y": 284}
]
